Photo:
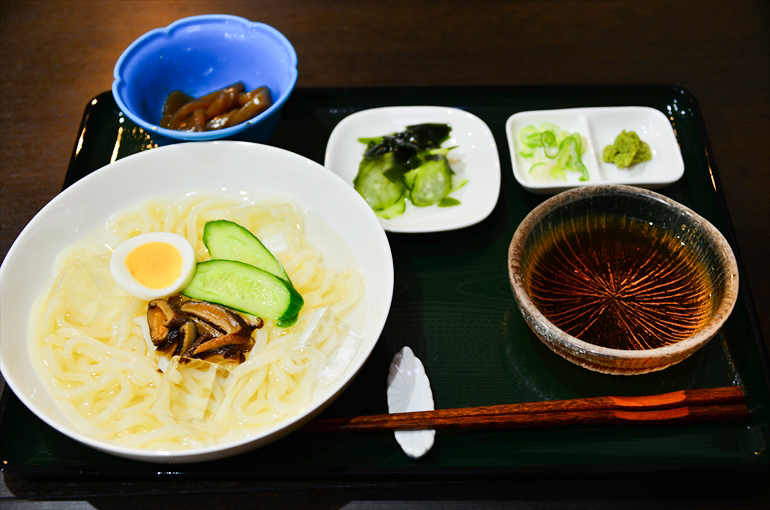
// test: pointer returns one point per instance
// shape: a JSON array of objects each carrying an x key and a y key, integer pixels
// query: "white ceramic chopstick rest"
[{"x": 408, "y": 391}]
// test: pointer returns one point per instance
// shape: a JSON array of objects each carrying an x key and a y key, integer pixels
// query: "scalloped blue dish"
[{"x": 199, "y": 55}]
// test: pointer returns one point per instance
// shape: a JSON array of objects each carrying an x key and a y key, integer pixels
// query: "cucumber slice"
[
  {"x": 229, "y": 241},
  {"x": 433, "y": 180},
  {"x": 373, "y": 181},
  {"x": 409, "y": 178},
  {"x": 245, "y": 288},
  {"x": 448, "y": 202},
  {"x": 394, "y": 210}
]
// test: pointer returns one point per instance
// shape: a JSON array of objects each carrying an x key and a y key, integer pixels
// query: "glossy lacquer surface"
[{"x": 454, "y": 308}]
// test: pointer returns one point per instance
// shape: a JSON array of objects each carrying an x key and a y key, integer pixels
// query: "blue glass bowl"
[{"x": 198, "y": 55}]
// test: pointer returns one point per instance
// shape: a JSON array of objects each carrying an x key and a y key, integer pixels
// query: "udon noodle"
[{"x": 92, "y": 348}]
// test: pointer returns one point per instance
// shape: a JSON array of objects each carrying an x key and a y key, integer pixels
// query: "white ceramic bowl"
[
  {"x": 600, "y": 126},
  {"x": 475, "y": 158},
  {"x": 243, "y": 170}
]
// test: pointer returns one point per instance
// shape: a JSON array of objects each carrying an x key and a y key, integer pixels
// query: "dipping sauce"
[{"x": 619, "y": 283}]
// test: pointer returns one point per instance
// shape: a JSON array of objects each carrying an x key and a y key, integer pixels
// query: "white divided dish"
[
  {"x": 409, "y": 391},
  {"x": 474, "y": 159},
  {"x": 600, "y": 126}
]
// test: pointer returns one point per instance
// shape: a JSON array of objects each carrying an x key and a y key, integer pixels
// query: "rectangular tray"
[{"x": 453, "y": 306}]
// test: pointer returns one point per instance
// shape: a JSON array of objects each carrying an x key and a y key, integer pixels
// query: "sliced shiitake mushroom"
[
  {"x": 188, "y": 334},
  {"x": 218, "y": 316},
  {"x": 177, "y": 300},
  {"x": 169, "y": 342},
  {"x": 199, "y": 329},
  {"x": 224, "y": 353},
  {"x": 204, "y": 328},
  {"x": 235, "y": 330},
  {"x": 221, "y": 341},
  {"x": 163, "y": 317}
]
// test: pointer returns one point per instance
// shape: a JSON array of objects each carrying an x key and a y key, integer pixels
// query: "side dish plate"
[
  {"x": 600, "y": 126},
  {"x": 474, "y": 159}
]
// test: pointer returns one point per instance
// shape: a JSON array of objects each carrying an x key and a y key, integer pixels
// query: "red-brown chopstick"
[{"x": 686, "y": 406}]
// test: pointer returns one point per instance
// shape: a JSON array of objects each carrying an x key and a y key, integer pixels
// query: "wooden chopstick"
[{"x": 685, "y": 406}]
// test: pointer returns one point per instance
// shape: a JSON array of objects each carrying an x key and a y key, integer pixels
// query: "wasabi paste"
[{"x": 627, "y": 150}]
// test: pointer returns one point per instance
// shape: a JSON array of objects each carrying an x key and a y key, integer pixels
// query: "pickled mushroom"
[{"x": 220, "y": 109}]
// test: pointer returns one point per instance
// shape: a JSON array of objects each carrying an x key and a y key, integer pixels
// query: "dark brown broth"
[{"x": 619, "y": 283}]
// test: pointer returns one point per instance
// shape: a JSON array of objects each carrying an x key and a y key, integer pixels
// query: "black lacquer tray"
[{"x": 453, "y": 306}]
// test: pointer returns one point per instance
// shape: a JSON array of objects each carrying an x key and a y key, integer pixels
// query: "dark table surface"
[{"x": 56, "y": 56}]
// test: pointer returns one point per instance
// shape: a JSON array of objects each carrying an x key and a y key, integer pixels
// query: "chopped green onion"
[
  {"x": 550, "y": 147},
  {"x": 561, "y": 152}
]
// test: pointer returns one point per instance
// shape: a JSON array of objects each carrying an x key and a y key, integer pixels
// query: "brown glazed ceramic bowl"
[{"x": 621, "y": 280}]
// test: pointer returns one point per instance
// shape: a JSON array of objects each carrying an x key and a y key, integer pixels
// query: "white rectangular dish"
[{"x": 600, "y": 126}]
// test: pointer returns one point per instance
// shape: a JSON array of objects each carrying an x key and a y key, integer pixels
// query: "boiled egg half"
[{"x": 154, "y": 265}]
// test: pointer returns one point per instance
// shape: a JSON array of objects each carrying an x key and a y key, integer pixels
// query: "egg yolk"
[{"x": 155, "y": 265}]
